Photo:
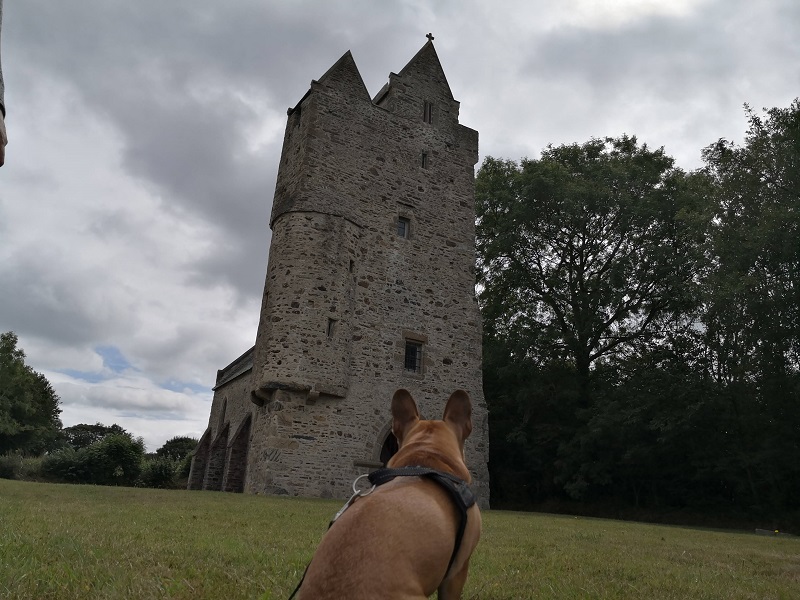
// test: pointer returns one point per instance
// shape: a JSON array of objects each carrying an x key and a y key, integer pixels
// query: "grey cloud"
[
  {"x": 664, "y": 55},
  {"x": 42, "y": 302},
  {"x": 168, "y": 78}
]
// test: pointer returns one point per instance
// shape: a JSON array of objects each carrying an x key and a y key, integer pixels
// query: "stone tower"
[{"x": 369, "y": 288}]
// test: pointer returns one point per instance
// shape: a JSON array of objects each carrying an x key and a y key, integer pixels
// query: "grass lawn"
[{"x": 69, "y": 542}]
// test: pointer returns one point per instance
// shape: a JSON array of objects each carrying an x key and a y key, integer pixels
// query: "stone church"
[{"x": 369, "y": 288}]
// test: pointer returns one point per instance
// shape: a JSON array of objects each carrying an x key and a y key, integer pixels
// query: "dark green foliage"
[
  {"x": 29, "y": 410},
  {"x": 159, "y": 472},
  {"x": 177, "y": 448},
  {"x": 184, "y": 467},
  {"x": 752, "y": 315},
  {"x": 66, "y": 465},
  {"x": 114, "y": 460},
  {"x": 585, "y": 251},
  {"x": 642, "y": 325},
  {"x": 10, "y": 466},
  {"x": 84, "y": 435},
  {"x": 584, "y": 255}
]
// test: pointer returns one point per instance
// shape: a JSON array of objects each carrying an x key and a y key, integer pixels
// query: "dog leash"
[{"x": 458, "y": 489}]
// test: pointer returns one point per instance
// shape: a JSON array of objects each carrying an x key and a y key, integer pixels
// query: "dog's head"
[{"x": 446, "y": 436}]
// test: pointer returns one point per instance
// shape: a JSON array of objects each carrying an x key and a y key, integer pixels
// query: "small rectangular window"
[
  {"x": 424, "y": 160},
  {"x": 413, "y": 357},
  {"x": 331, "y": 327},
  {"x": 427, "y": 112},
  {"x": 403, "y": 227}
]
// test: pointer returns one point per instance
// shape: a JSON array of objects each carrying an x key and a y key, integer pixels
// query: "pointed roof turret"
[
  {"x": 426, "y": 63},
  {"x": 345, "y": 73}
]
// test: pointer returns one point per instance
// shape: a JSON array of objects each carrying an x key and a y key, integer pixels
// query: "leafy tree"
[
  {"x": 755, "y": 287},
  {"x": 177, "y": 448},
  {"x": 752, "y": 304},
  {"x": 84, "y": 435},
  {"x": 587, "y": 257},
  {"x": 642, "y": 325},
  {"x": 29, "y": 406},
  {"x": 586, "y": 250}
]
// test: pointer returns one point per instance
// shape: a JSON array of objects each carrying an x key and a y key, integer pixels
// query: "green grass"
[{"x": 76, "y": 542}]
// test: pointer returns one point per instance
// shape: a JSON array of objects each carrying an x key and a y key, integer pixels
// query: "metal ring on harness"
[{"x": 358, "y": 492}]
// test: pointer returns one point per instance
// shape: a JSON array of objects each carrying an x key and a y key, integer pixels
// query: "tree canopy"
[
  {"x": 586, "y": 250},
  {"x": 29, "y": 407},
  {"x": 642, "y": 324},
  {"x": 84, "y": 435},
  {"x": 177, "y": 448},
  {"x": 751, "y": 313}
]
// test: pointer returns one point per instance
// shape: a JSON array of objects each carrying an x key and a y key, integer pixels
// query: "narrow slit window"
[
  {"x": 427, "y": 112},
  {"x": 331, "y": 328},
  {"x": 413, "y": 357},
  {"x": 403, "y": 227},
  {"x": 424, "y": 160}
]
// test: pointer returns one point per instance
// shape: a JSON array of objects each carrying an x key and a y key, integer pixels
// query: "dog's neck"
[{"x": 418, "y": 454}]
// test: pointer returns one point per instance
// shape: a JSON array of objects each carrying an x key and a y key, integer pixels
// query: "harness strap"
[{"x": 457, "y": 488}]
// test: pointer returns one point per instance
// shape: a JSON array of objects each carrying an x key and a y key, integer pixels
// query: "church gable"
[
  {"x": 421, "y": 92},
  {"x": 344, "y": 77},
  {"x": 426, "y": 68}
]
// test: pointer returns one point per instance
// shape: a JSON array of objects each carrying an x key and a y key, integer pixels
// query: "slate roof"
[{"x": 238, "y": 367}]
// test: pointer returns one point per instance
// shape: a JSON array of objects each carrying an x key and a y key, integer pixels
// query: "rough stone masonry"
[{"x": 370, "y": 288}]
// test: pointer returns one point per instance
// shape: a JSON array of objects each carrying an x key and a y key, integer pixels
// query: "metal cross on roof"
[{"x": 430, "y": 37}]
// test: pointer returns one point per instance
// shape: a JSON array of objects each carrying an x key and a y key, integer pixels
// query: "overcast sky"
[{"x": 145, "y": 137}]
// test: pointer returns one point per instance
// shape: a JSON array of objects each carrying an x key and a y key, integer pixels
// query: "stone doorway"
[{"x": 389, "y": 448}]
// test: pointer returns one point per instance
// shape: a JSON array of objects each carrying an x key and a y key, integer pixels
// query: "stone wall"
[
  {"x": 217, "y": 462},
  {"x": 344, "y": 290}
]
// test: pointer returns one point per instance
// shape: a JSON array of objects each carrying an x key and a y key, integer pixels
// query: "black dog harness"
[{"x": 457, "y": 488}]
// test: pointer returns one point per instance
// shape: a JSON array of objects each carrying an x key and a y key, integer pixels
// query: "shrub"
[
  {"x": 185, "y": 467},
  {"x": 66, "y": 465},
  {"x": 10, "y": 466},
  {"x": 158, "y": 473},
  {"x": 114, "y": 460},
  {"x": 31, "y": 469}
]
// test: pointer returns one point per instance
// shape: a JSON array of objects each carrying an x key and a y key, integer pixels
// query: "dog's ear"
[
  {"x": 458, "y": 413},
  {"x": 404, "y": 413}
]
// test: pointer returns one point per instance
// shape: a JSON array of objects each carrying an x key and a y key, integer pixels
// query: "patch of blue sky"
[
  {"x": 113, "y": 359},
  {"x": 113, "y": 363}
]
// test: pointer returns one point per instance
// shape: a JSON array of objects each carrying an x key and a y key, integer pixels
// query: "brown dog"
[{"x": 398, "y": 541}]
